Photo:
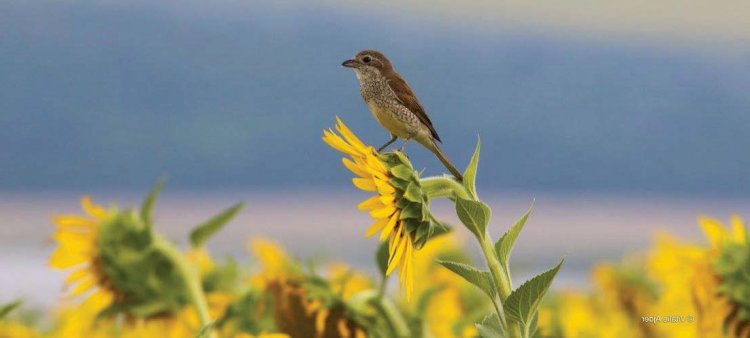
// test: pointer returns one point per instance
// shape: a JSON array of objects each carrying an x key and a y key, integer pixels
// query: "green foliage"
[
  {"x": 6, "y": 309},
  {"x": 523, "y": 303},
  {"x": 504, "y": 245},
  {"x": 490, "y": 327},
  {"x": 204, "y": 231},
  {"x": 474, "y": 214},
  {"x": 148, "y": 204},
  {"x": 381, "y": 257},
  {"x": 470, "y": 174},
  {"x": 733, "y": 266},
  {"x": 481, "y": 279}
]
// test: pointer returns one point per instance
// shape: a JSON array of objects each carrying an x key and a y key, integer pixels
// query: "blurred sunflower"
[
  {"x": 399, "y": 206},
  {"x": 78, "y": 249},
  {"x": 10, "y": 329}
]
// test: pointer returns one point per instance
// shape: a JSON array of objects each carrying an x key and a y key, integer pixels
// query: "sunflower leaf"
[
  {"x": 474, "y": 214},
  {"x": 504, "y": 245},
  {"x": 480, "y": 279},
  {"x": 204, "y": 231},
  {"x": 381, "y": 257},
  {"x": 490, "y": 327},
  {"x": 522, "y": 304},
  {"x": 402, "y": 171},
  {"x": 470, "y": 174},
  {"x": 413, "y": 192},
  {"x": 5, "y": 309},
  {"x": 147, "y": 207}
]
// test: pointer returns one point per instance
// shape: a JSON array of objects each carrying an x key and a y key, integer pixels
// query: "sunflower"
[
  {"x": 399, "y": 205},
  {"x": 78, "y": 250}
]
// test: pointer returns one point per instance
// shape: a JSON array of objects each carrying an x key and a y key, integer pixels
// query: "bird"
[{"x": 394, "y": 105}]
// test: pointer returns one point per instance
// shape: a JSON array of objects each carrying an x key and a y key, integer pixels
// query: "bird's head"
[{"x": 369, "y": 62}]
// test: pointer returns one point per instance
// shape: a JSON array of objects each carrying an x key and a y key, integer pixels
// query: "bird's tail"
[{"x": 435, "y": 149}]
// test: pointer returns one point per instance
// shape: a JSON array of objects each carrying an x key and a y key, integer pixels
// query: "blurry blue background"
[
  {"x": 618, "y": 117},
  {"x": 235, "y": 94}
]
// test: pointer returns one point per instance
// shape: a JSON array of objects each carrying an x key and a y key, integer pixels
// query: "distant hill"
[{"x": 113, "y": 95}]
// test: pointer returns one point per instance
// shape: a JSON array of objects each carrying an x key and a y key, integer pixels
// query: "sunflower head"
[
  {"x": 731, "y": 267},
  {"x": 399, "y": 205}
]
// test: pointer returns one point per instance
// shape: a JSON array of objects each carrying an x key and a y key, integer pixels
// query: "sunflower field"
[{"x": 125, "y": 279}]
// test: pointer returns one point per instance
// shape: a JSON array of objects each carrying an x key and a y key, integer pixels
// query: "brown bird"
[{"x": 394, "y": 105}]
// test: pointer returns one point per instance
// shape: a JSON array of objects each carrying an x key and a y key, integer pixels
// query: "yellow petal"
[
  {"x": 396, "y": 257},
  {"x": 370, "y": 204},
  {"x": 375, "y": 163},
  {"x": 338, "y": 143},
  {"x": 384, "y": 187},
  {"x": 77, "y": 275},
  {"x": 714, "y": 231},
  {"x": 387, "y": 199},
  {"x": 320, "y": 322},
  {"x": 63, "y": 259},
  {"x": 393, "y": 243},
  {"x": 83, "y": 286},
  {"x": 383, "y": 212},
  {"x": 738, "y": 228},
  {"x": 343, "y": 329},
  {"x": 391, "y": 224},
  {"x": 92, "y": 209},
  {"x": 365, "y": 184},
  {"x": 377, "y": 226},
  {"x": 356, "y": 169},
  {"x": 349, "y": 135}
]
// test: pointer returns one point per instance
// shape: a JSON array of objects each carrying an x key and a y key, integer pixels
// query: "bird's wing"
[{"x": 409, "y": 100}]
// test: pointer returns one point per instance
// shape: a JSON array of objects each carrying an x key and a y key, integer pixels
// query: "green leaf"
[
  {"x": 522, "y": 304},
  {"x": 481, "y": 279},
  {"x": 381, "y": 256},
  {"x": 490, "y": 327},
  {"x": 5, "y": 309},
  {"x": 204, "y": 231},
  {"x": 413, "y": 193},
  {"x": 147, "y": 207},
  {"x": 470, "y": 174},
  {"x": 474, "y": 214},
  {"x": 504, "y": 245},
  {"x": 402, "y": 171}
]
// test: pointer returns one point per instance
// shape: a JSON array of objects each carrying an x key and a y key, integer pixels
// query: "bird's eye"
[{"x": 366, "y": 59}]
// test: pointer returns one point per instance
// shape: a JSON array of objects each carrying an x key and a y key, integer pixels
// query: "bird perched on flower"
[{"x": 394, "y": 105}]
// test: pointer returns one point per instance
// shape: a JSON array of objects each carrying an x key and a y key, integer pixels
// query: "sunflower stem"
[
  {"x": 190, "y": 278},
  {"x": 437, "y": 187}
]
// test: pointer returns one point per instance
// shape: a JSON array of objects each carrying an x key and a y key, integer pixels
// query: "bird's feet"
[{"x": 393, "y": 139}]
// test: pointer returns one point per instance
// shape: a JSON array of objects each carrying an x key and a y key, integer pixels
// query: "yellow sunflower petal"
[
  {"x": 365, "y": 184},
  {"x": 349, "y": 135},
  {"x": 377, "y": 226},
  {"x": 320, "y": 321},
  {"x": 338, "y": 143},
  {"x": 738, "y": 228},
  {"x": 383, "y": 212},
  {"x": 396, "y": 258},
  {"x": 343, "y": 329},
  {"x": 92, "y": 209},
  {"x": 391, "y": 224},
  {"x": 77, "y": 275},
  {"x": 355, "y": 168},
  {"x": 714, "y": 231},
  {"x": 83, "y": 286},
  {"x": 393, "y": 242},
  {"x": 370, "y": 204},
  {"x": 384, "y": 187},
  {"x": 63, "y": 259}
]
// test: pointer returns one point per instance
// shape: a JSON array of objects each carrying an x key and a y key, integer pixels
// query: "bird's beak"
[{"x": 350, "y": 63}]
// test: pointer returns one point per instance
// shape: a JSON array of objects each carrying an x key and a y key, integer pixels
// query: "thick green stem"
[
  {"x": 395, "y": 320},
  {"x": 190, "y": 278},
  {"x": 437, "y": 187},
  {"x": 502, "y": 280}
]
